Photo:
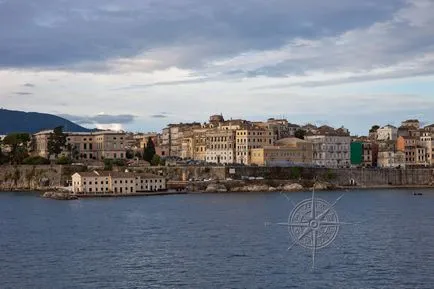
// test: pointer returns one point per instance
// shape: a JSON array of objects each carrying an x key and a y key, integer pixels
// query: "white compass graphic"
[{"x": 313, "y": 224}]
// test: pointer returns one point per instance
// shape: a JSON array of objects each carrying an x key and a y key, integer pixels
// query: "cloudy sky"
[{"x": 140, "y": 64}]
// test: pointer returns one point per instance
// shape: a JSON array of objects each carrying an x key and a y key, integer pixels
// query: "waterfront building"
[
  {"x": 391, "y": 159},
  {"x": 364, "y": 153},
  {"x": 286, "y": 152},
  {"x": 251, "y": 137},
  {"x": 220, "y": 146},
  {"x": 415, "y": 152},
  {"x": 116, "y": 183},
  {"x": 97, "y": 145},
  {"x": 331, "y": 148}
]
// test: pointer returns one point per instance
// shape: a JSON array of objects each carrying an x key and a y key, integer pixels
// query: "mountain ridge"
[{"x": 32, "y": 122}]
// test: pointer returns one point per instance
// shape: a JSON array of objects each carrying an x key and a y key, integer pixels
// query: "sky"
[{"x": 141, "y": 64}]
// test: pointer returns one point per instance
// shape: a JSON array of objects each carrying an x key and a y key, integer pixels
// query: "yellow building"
[
  {"x": 86, "y": 145},
  {"x": 249, "y": 138},
  {"x": 288, "y": 151}
]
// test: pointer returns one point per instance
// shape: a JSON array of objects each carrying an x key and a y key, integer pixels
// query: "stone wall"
[
  {"x": 341, "y": 177},
  {"x": 29, "y": 177},
  {"x": 186, "y": 173}
]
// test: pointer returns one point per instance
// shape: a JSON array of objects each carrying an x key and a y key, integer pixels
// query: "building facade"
[
  {"x": 220, "y": 146},
  {"x": 388, "y": 132},
  {"x": 330, "y": 150},
  {"x": 86, "y": 145},
  {"x": 115, "y": 183},
  {"x": 249, "y": 138},
  {"x": 287, "y": 152}
]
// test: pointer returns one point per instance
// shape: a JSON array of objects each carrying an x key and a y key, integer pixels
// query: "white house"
[{"x": 123, "y": 183}]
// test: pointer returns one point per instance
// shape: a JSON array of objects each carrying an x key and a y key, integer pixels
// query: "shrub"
[
  {"x": 63, "y": 160},
  {"x": 36, "y": 161},
  {"x": 295, "y": 173}
]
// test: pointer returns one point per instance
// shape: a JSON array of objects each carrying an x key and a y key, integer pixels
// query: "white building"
[
  {"x": 391, "y": 159},
  {"x": 118, "y": 183},
  {"x": 388, "y": 132},
  {"x": 331, "y": 150},
  {"x": 220, "y": 146}
]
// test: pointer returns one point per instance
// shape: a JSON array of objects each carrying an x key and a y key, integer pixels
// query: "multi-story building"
[
  {"x": 251, "y": 137},
  {"x": 364, "y": 153},
  {"x": 115, "y": 183},
  {"x": 391, "y": 159},
  {"x": 220, "y": 146},
  {"x": 426, "y": 141},
  {"x": 86, "y": 145},
  {"x": 387, "y": 132},
  {"x": 280, "y": 128},
  {"x": 330, "y": 149},
  {"x": 411, "y": 123},
  {"x": 286, "y": 152},
  {"x": 173, "y": 135},
  {"x": 415, "y": 153}
]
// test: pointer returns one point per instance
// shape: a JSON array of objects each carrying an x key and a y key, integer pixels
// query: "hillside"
[{"x": 31, "y": 122}]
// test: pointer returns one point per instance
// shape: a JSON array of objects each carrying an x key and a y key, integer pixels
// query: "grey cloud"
[
  {"x": 159, "y": 116},
  {"x": 100, "y": 119},
  {"x": 82, "y": 34},
  {"x": 23, "y": 93}
]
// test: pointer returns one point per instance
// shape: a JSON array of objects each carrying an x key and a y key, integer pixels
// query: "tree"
[
  {"x": 156, "y": 160},
  {"x": 374, "y": 128},
  {"x": 1, "y": 155},
  {"x": 149, "y": 150},
  {"x": 129, "y": 154},
  {"x": 18, "y": 144},
  {"x": 300, "y": 133},
  {"x": 56, "y": 141}
]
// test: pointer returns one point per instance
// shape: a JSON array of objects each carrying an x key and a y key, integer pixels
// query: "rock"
[
  {"x": 320, "y": 186},
  {"x": 59, "y": 196},
  {"x": 293, "y": 188},
  {"x": 219, "y": 188},
  {"x": 272, "y": 189},
  {"x": 252, "y": 188}
]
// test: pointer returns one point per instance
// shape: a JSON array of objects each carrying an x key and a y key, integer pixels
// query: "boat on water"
[{"x": 417, "y": 194}]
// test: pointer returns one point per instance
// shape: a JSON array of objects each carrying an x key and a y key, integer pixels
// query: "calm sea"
[{"x": 213, "y": 241}]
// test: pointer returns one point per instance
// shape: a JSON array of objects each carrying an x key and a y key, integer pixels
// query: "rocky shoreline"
[{"x": 234, "y": 186}]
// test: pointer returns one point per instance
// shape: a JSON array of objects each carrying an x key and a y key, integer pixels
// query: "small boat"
[{"x": 417, "y": 194}]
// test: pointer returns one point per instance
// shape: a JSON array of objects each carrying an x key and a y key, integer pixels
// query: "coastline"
[{"x": 54, "y": 193}]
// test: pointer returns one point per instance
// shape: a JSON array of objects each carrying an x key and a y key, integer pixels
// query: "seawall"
[{"x": 27, "y": 177}]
